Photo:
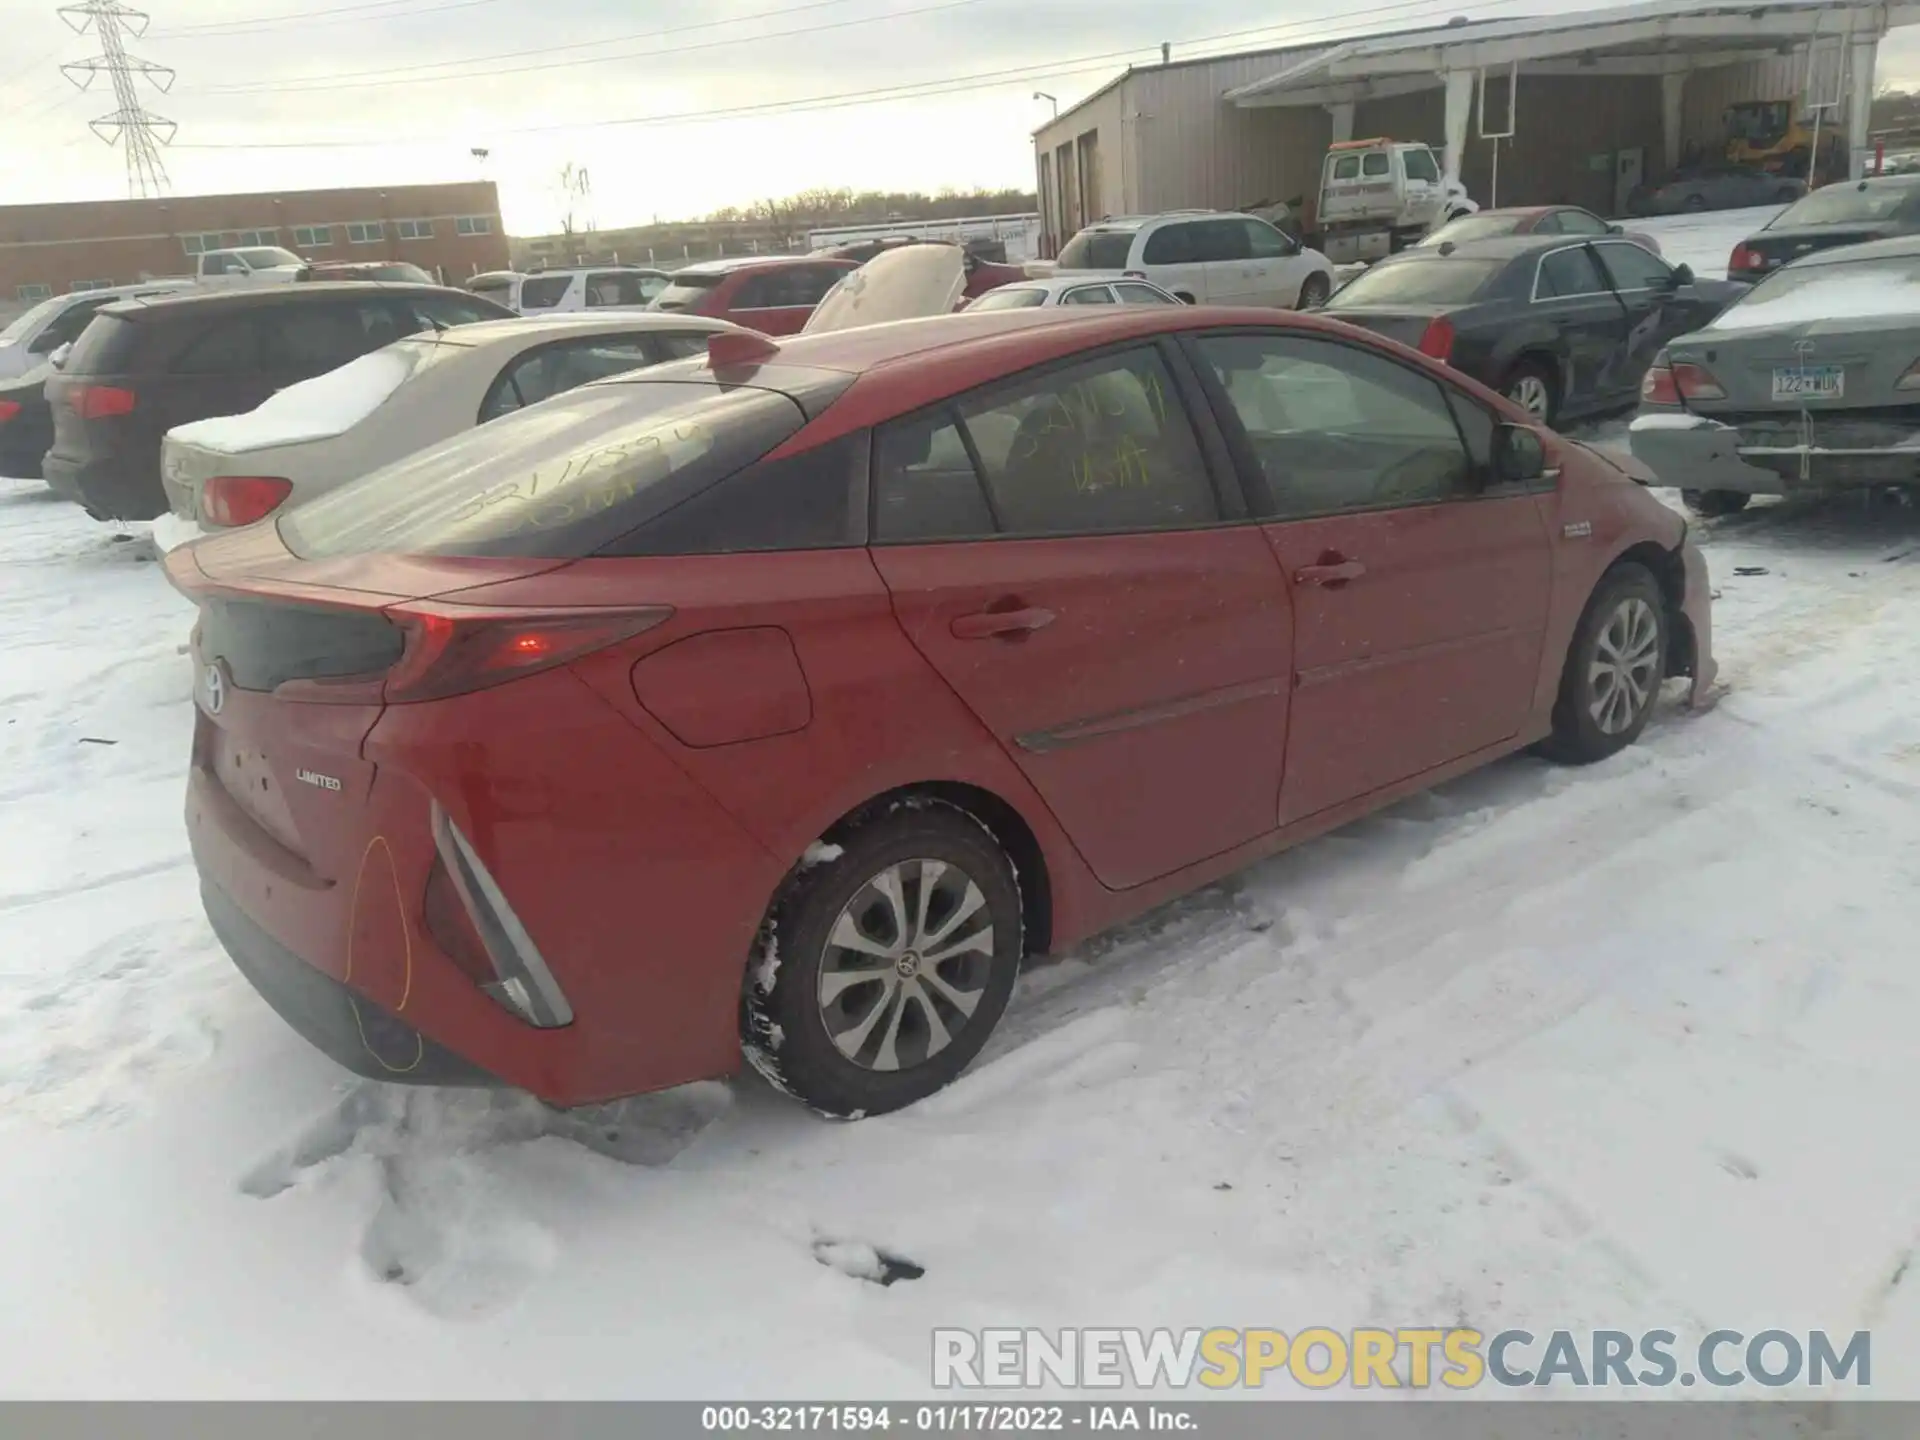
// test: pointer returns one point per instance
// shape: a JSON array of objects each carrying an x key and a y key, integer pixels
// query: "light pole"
[{"x": 1042, "y": 95}]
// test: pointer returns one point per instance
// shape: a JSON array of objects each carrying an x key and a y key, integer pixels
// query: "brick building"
[{"x": 452, "y": 230}]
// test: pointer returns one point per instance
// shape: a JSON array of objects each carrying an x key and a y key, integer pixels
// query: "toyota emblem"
[{"x": 216, "y": 689}]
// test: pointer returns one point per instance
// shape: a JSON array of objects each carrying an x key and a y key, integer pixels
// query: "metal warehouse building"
[{"x": 1584, "y": 106}]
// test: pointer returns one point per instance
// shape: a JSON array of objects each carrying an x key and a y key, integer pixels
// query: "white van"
[{"x": 550, "y": 292}]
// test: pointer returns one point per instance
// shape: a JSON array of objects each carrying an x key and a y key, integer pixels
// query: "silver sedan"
[{"x": 1080, "y": 288}]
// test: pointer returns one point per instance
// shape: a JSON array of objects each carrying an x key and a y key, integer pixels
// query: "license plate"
[{"x": 1809, "y": 382}]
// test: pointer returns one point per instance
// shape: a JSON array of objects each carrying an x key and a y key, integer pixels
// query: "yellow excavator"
[{"x": 1774, "y": 135}]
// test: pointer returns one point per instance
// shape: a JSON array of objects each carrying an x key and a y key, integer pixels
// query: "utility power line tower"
[{"x": 140, "y": 132}]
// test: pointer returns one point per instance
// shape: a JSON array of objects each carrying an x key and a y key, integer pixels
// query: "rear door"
[
  {"x": 1572, "y": 293},
  {"x": 1419, "y": 595},
  {"x": 1067, "y": 551},
  {"x": 1171, "y": 257}
]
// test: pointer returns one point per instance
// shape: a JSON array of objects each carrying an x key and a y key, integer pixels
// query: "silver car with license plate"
[{"x": 1809, "y": 383}]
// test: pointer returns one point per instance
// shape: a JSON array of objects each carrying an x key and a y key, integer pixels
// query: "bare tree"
[{"x": 576, "y": 191}]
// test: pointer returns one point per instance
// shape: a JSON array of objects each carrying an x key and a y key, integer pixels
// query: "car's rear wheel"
[
  {"x": 1712, "y": 504},
  {"x": 883, "y": 970},
  {"x": 1614, "y": 669},
  {"x": 1535, "y": 389},
  {"x": 1313, "y": 294}
]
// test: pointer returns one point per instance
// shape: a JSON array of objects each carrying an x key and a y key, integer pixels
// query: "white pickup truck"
[
  {"x": 249, "y": 265},
  {"x": 1381, "y": 196}
]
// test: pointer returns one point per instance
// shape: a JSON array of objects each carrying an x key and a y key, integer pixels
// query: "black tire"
[
  {"x": 1611, "y": 620},
  {"x": 784, "y": 1018},
  {"x": 1712, "y": 504},
  {"x": 1314, "y": 292},
  {"x": 1533, "y": 369}
]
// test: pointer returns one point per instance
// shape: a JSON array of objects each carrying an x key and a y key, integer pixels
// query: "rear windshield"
[
  {"x": 559, "y": 480},
  {"x": 1847, "y": 205},
  {"x": 103, "y": 347},
  {"x": 684, "y": 290},
  {"x": 1851, "y": 291},
  {"x": 1018, "y": 297},
  {"x": 1097, "y": 250},
  {"x": 1419, "y": 282}
]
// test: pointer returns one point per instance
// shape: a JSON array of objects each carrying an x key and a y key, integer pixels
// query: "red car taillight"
[
  {"x": 1437, "y": 339},
  {"x": 100, "y": 402},
  {"x": 451, "y": 652},
  {"x": 1670, "y": 384},
  {"x": 8, "y": 409},
  {"x": 242, "y": 499}
]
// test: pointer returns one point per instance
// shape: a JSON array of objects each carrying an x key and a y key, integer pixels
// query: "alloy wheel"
[
  {"x": 906, "y": 964},
  {"x": 1626, "y": 657},
  {"x": 1530, "y": 393}
]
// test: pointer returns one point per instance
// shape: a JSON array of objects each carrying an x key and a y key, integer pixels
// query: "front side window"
[
  {"x": 1420, "y": 165},
  {"x": 1335, "y": 428},
  {"x": 1088, "y": 295},
  {"x": 1375, "y": 163},
  {"x": 1266, "y": 243},
  {"x": 1101, "y": 447},
  {"x": 1634, "y": 267},
  {"x": 1569, "y": 274}
]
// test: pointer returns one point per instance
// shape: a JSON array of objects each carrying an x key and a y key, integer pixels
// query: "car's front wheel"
[
  {"x": 886, "y": 963},
  {"x": 1712, "y": 504},
  {"x": 1314, "y": 292},
  {"x": 1614, "y": 669}
]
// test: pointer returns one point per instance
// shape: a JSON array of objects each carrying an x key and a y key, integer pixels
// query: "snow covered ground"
[{"x": 1629, "y": 1047}]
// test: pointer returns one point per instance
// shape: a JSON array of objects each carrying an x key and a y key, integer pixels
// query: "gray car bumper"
[
  {"x": 1846, "y": 452},
  {"x": 1691, "y": 452}
]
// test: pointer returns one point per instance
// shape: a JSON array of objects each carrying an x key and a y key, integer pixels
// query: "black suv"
[{"x": 144, "y": 366}]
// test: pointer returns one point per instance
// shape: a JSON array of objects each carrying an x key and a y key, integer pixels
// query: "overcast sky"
[{"x": 268, "y": 73}]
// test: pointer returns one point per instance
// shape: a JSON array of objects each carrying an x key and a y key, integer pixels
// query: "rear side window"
[
  {"x": 1097, "y": 250},
  {"x": 1099, "y": 447},
  {"x": 1171, "y": 245},
  {"x": 1088, "y": 295},
  {"x": 1221, "y": 240},
  {"x": 313, "y": 339},
  {"x": 1016, "y": 297},
  {"x": 685, "y": 291},
  {"x": 227, "y": 347},
  {"x": 555, "y": 369},
  {"x": 799, "y": 502},
  {"x": 561, "y": 480},
  {"x": 543, "y": 292}
]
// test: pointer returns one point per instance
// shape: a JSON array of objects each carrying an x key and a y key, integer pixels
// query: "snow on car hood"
[
  {"x": 316, "y": 409},
  {"x": 902, "y": 284}
]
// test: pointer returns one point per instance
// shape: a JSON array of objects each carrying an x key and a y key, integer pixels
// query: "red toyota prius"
[{"x": 781, "y": 703}]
